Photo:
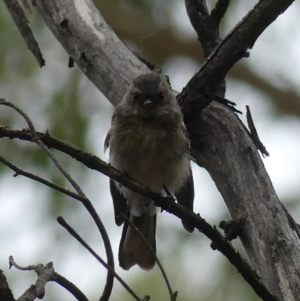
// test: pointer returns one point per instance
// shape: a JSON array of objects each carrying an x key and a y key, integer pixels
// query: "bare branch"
[
  {"x": 136, "y": 230},
  {"x": 64, "y": 224},
  {"x": 45, "y": 274},
  {"x": 254, "y": 135},
  {"x": 34, "y": 177},
  {"x": 207, "y": 29},
  {"x": 233, "y": 48},
  {"x": 36, "y": 139},
  {"x": 222, "y": 244},
  {"x": 204, "y": 25},
  {"x": 92, "y": 44},
  {"x": 85, "y": 201},
  {"x": 241, "y": 177},
  {"x": 132, "y": 25},
  {"x": 22, "y": 23},
  {"x": 219, "y": 11},
  {"x": 69, "y": 286}
]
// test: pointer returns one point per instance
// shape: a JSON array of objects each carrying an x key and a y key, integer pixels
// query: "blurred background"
[{"x": 64, "y": 102}]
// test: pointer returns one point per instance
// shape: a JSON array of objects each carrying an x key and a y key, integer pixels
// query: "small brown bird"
[{"x": 149, "y": 141}]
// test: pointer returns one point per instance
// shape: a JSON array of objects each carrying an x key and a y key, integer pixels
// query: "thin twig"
[
  {"x": 228, "y": 103},
  {"x": 85, "y": 201},
  {"x": 59, "y": 279},
  {"x": 19, "y": 171},
  {"x": 12, "y": 263},
  {"x": 64, "y": 224},
  {"x": 135, "y": 229},
  {"x": 253, "y": 133},
  {"x": 69, "y": 286},
  {"x": 37, "y": 140}
]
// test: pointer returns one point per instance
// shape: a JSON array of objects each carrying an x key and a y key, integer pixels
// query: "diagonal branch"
[
  {"x": 136, "y": 230},
  {"x": 91, "y": 161},
  {"x": 233, "y": 48},
  {"x": 37, "y": 140},
  {"x": 19, "y": 171},
  {"x": 85, "y": 201},
  {"x": 219, "y": 11},
  {"x": 64, "y": 224},
  {"x": 58, "y": 278},
  {"x": 254, "y": 134},
  {"x": 205, "y": 27},
  {"x": 22, "y": 23},
  {"x": 92, "y": 44},
  {"x": 69, "y": 286}
]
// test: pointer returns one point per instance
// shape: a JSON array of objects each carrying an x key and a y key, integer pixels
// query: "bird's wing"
[
  {"x": 185, "y": 196},
  {"x": 108, "y": 135},
  {"x": 106, "y": 141},
  {"x": 119, "y": 202}
]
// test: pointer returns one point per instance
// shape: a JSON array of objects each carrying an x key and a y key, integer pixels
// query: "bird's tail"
[{"x": 133, "y": 250}]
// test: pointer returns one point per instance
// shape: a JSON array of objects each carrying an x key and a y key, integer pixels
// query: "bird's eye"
[
  {"x": 136, "y": 96},
  {"x": 160, "y": 95}
]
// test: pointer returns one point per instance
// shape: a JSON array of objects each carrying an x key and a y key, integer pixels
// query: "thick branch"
[
  {"x": 131, "y": 26},
  {"x": 205, "y": 27},
  {"x": 93, "y": 46},
  {"x": 268, "y": 237},
  {"x": 233, "y": 48},
  {"x": 219, "y": 10},
  {"x": 238, "y": 171}
]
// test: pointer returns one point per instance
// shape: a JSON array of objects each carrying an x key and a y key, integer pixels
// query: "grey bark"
[
  {"x": 92, "y": 44},
  {"x": 227, "y": 152},
  {"x": 224, "y": 149}
]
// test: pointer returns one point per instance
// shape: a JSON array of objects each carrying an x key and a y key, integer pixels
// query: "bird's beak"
[{"x": 147, "y": 102}]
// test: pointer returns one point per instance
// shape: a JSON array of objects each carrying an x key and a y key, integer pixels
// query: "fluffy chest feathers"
[
  {"x": 150, "y": 140},
  {"x": 153, "y": 151}
]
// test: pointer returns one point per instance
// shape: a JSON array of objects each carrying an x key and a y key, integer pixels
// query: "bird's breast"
[{"x": 153, "y": 154}]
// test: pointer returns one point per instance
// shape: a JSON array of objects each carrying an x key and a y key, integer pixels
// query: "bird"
[{"x": 148, "y": 141}]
